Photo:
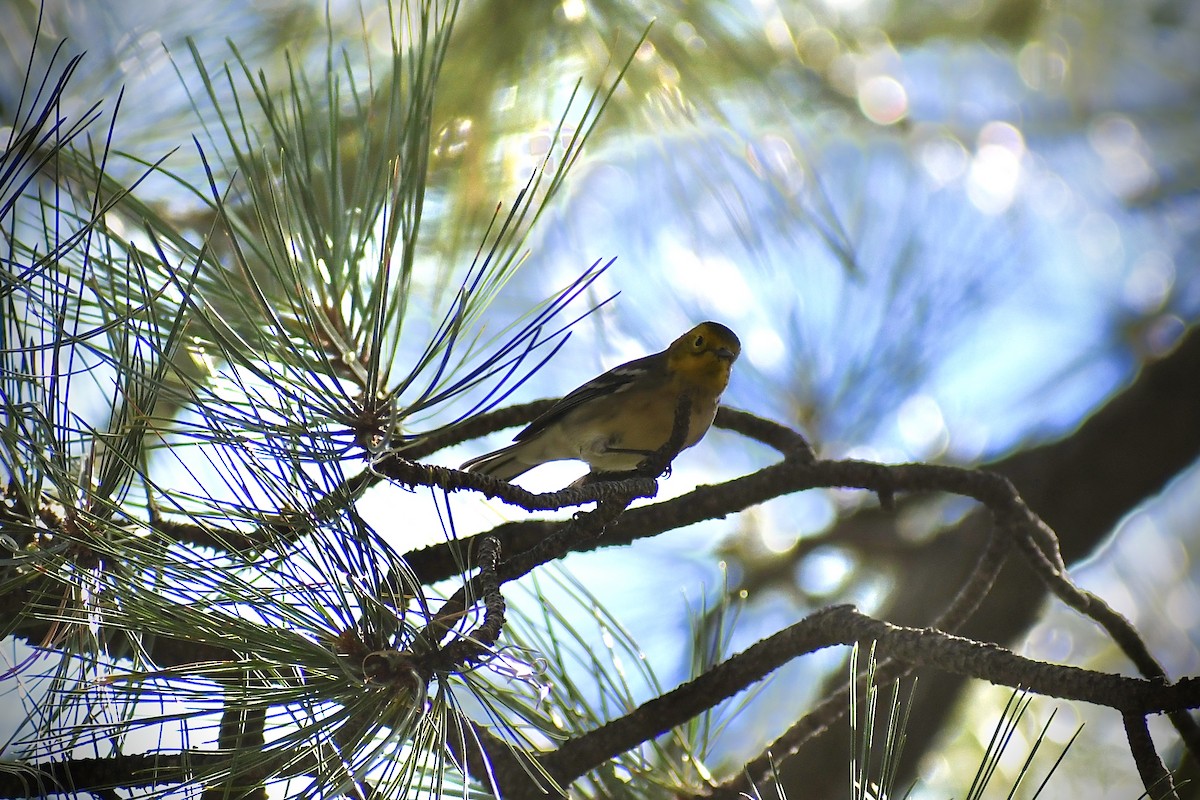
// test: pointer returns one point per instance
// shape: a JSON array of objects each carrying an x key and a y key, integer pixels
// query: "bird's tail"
[{"x": 503, "y": 463}]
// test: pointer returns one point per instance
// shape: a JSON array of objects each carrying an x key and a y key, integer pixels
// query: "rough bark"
[{"x": 1081, "y": 485}]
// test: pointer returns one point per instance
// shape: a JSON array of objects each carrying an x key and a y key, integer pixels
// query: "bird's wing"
[{"x": 614, "y": 381}]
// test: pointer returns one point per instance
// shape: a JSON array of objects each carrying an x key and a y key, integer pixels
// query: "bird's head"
[{"x": 704, "y": 355}]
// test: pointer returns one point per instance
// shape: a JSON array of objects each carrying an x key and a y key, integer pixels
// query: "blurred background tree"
[{"x": 952, "y": 232}]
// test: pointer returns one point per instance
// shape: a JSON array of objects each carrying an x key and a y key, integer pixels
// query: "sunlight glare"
[
  {"x": 996, "y": 168},
  {"x": 778, "y": 34},
  {"x": 322, "y": 269},
  {"x": 922, "y": 426},
  {"x": 115, "y": 225},
  {"x": 825, "y": 571},
  {"x": 846, "y": 7},
  {"x": 765, "y": 348},
  {"x": 694, "y": 276},
  {"x": 944, "y": 159},
  {"x": 883, "y": 100},
  {"x": 574, "y": 10}
]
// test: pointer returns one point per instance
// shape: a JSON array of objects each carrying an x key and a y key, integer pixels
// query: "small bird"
[{"x": 614, "y": 421}]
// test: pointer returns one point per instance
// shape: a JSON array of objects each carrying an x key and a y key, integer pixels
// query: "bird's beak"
[{"x": 725, "y": 354}]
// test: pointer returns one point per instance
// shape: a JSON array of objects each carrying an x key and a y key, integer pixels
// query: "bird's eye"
[{"x": 698, "y": 343}]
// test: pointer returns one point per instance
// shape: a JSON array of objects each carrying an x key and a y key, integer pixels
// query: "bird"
[{"x": 614, "y": 421}]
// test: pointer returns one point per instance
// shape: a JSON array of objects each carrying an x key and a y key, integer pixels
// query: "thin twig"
[
  {"x": 1114, "y": 623},
  {"x": 1154, "y": 774}
]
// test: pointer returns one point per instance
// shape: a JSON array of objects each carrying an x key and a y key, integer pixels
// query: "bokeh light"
[{"x": 883, "y": 100}]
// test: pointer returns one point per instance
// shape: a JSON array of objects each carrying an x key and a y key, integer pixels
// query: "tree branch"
[{"x": 1156, "y": 779}]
